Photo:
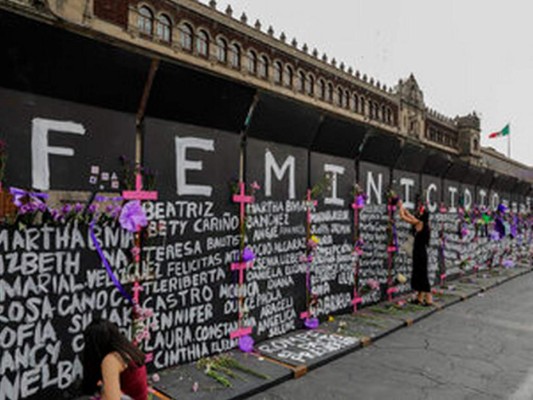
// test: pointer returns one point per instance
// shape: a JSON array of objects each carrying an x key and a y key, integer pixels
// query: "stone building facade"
[{"x": 219, "y": 42}]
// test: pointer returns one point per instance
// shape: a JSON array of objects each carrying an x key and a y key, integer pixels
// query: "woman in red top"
[{"x": 112, "y": 359}]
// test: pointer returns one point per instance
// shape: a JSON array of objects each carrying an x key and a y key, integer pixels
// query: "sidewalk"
[{"x": 294, "y": 355}]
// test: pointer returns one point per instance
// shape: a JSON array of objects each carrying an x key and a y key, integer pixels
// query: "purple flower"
[
  {"x": 246, "y": 344},
  {"x": 66, "y": 209},
  {"x": 92, "y": 208},
  {"x": 133, "y": 216},
  {"x": 78, "y": 208},
  {"x": 508, "y": 263},
  {"x": 360, "y": 201},
  {"x": 311, "y": 323},
  {"x": 248, "y": 255},
  {"x": 495, "y": 235}
]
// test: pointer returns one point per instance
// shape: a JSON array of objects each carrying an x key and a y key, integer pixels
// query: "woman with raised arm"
[
  {"x": 421, "y": 230},
  {"x": 111, "y": 360}
]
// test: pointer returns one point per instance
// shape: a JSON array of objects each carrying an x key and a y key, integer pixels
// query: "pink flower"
[
  {"x": 255, "y": 185},
  {"x": 156, "y": 378}
]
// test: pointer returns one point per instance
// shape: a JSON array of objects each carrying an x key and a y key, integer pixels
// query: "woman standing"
[
  {"x": 112, "y": 360},
  {"x": 419, "y": 277}
]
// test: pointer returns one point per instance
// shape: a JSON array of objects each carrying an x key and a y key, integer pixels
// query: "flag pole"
[{"x": 509, "y": 142}]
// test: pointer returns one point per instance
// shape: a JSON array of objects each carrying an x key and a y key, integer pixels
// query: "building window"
[
  {"x": 202, "y": 43},
  {"x": 146, "y": 19},
  {"x": 235, "y": 56},
  {"x": 389, "y": 116},
  {"x": 340, "y": 97},
  {"x": 310, "y": 85},
  {"x": 252, "y": 62},
  {"x": 383, "y": 114},
  {"x": 287, "y": 76},
  {"x": 163, "y": 28},
  {"x": 321, "y": 89},
  {"x": 346, "y": 103},
  {"x": 278, "y": 74},
  {"x": 186, "y": 37},
  {"x": 371, "y": 109},
  {"x": 355, "y": 103},
  {"x": 330, "y": 93},
  {"x": 300, "y": 86},
  {"x": 222, "y": 50},
  {"x": 263, "y": 67},
  {"x": 362, "y": 105},
  {"x": 475, "y": 145}
]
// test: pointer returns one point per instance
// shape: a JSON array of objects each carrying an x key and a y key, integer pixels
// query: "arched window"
[
  {"x": 346, "y": 100},
  {"x": 222, "y": 50},
  {"x": 252, "y": 62},
  {"x": 186, "y": 37},
  {"x": 476, "y": 145},
  {"x": 340, "y": 97},
  {"x": 287, "y": 76},
  {"x": 321, "y": 89},
  {"x": 300, "y": 85},
  {"x": 362, "y": 105},
  {"x": 263, "y": 67},
  {"x": 235, "y": 56},
  {"x": 310, "y": 85},
  {"x": 330, "y": 93},
  {"x": 278, "y": 73},
  {"x": 146, "y": 20},
  {"x": 202, "y": 43},
  {"x": 163, "y": 29},
  {"x": 383, "y": 113},
  {"x": 376, "y": 110},
  {"x": 389, "y": 116},
  {"x": 355, "y": 103}
]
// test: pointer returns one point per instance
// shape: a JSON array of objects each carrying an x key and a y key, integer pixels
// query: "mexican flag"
[{"x": 504, "y": 132}]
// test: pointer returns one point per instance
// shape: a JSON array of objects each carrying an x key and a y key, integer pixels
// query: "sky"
[{"x": 465, "y": 54}]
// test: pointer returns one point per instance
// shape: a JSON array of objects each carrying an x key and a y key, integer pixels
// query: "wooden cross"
[
  {"x": 391, "y": 291},
  {"x": 139, "y": 193},
  {"x": 356, "y": 300},
  {"x": 136, "y": 289},
  {"x": 242, "y": 198},
  {"x": 241, "y": 266},
  {"x": 442, "y": 279},
  {"x": 237, "y": 333},
  {"x": 310, "y": 202}
]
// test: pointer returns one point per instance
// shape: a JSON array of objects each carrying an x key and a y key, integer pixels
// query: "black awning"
[
  {"x": 412, "y": 158},
  {"x": 283, "y": 120},
  {"x": 41, "y": 59},
  {"x": 339, "y": 137},
  {"x": 186, "y": 95},
  {"x": 458, "y": 171},
  {"x": 437, "y": 163},
  {"x": 380, "y": 148}
]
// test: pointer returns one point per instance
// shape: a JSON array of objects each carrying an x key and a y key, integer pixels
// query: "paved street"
[{"x": 478, "y": 349}]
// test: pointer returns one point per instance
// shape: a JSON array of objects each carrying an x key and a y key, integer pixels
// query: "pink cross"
[
  {"x": 138, "y": 193},
  {"x": 356, "y": 300},
  {"x": 240, "y": 332},
  {"x": 241, "y": 266},
  {"x": 242, "y": 198},
  {"x": 311, "y": 201},
  {"x": 390, "y": 292},
  {"x": 136, "y": 289},
  {"x": 304, "y": 315}
]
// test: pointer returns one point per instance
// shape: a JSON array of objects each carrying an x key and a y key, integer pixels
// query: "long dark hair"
[{"x": 101, "y": 338}]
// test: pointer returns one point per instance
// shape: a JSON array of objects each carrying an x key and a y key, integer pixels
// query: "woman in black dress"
[{"x": 419, "y": 277}]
